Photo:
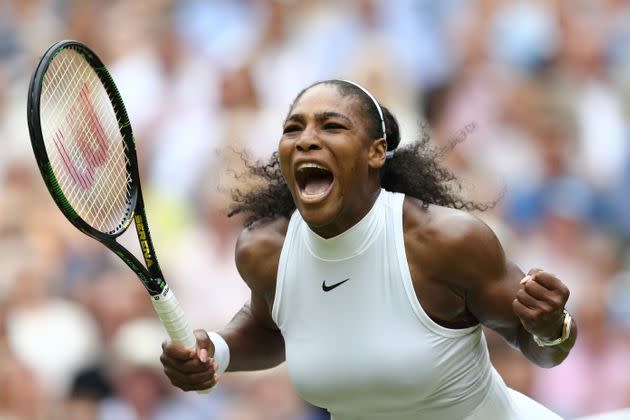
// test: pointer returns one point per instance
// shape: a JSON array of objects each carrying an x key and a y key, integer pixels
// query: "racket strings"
[
  {"x": 83, "y": 176},
  {"x": 84, "y": 144}
]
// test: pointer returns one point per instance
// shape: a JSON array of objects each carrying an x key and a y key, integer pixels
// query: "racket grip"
[{"x": 172, "y": 316}]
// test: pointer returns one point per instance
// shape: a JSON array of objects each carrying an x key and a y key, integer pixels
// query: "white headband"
[{"x": 378, "y": 107}]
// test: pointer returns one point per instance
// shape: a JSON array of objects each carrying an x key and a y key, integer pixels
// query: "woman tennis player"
[{"x": 374, "y": 291}]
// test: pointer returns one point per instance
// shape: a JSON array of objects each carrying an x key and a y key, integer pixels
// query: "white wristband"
[{"x": 221, "y": 352}]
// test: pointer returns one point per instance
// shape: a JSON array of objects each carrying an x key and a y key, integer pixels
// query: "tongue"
[{"x": 316, "y": 186}]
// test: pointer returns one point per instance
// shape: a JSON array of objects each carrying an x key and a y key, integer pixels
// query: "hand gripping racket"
[{"x": 86, "y": 153}]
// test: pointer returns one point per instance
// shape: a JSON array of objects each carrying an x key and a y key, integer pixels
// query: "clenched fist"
[
  {"x": 540, "y": 303},
  {"x": 188, "y": 369}
]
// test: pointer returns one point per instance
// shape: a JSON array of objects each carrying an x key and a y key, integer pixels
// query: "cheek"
[
  {"x": 285, "y": 149},
  {"x": 354, "y": 164}
]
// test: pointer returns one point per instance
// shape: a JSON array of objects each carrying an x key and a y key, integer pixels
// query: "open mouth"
[{"x": 314, "y": 181}]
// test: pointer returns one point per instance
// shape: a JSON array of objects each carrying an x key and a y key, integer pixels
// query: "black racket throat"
[
  {"x": 155, "y": 283},
  {"x": 149, "y": 273}
]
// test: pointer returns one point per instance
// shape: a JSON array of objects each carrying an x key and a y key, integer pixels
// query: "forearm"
[
  {"x": 545, "y": 357},
  {"x": 252, "y": 345}
]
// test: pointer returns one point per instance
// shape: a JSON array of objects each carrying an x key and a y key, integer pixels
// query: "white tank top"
[{"x": 357, "y": 341}]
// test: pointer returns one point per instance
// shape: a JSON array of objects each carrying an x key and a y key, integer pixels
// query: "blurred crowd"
[{"x": 534, "y": 94}]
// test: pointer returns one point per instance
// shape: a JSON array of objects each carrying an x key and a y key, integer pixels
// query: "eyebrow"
[{"x": 321, "y": 116}]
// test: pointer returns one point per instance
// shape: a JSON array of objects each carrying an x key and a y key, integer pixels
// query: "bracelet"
[
  {"x": 221, "y": 352},
  {"x": 566, "y": 331}
]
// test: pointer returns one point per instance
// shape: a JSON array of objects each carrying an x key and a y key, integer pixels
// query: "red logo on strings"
[{"x": 94, "y": 155}]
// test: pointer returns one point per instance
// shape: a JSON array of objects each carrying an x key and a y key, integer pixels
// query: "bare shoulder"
[
  {"x": 257, "y": 254},
  {"x": 453, "y": 242}
]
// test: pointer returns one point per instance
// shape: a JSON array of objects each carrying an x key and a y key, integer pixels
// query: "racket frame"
[
  {"x": 164, "y": 302},
  {"x": 151, "y": 274}
]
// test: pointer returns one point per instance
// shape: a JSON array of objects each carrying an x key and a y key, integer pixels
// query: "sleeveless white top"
[{"x": 359, "y": 344}]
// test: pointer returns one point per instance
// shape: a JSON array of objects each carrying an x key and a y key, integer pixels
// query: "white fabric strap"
[
  {"x": 221, "y": 352},
  {"x": 378, "y": 107}
]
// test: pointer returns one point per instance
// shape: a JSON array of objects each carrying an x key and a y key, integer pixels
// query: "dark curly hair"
[{"x": 414, "y": 169}]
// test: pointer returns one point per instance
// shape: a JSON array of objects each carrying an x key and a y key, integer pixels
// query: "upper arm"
[
  {"x": 488, "y": 280},
  {"x": 257, "y": 255}
]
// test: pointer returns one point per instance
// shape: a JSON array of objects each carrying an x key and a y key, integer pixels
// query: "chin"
[
  {"x": 317, "y": 218},
  {"x": 320, "y": 213}
]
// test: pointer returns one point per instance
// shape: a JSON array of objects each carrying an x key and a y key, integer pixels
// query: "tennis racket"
[{"x": 85, "y": 150}]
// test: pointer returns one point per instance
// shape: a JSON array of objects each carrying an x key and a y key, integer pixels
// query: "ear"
[{"x": 377, "y": 153}]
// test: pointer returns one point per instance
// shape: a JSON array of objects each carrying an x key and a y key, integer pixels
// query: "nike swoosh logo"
[{"x": 332, "y": 286}]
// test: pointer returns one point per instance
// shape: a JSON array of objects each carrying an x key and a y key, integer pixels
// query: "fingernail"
[
  {"x": 215, "y": 367},
  {"x": 526, "y": 279},
  {"x": 203, "y": 355}
]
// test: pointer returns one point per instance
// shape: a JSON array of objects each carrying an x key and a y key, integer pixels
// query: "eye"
[
  {"x": 291, "y": 128},
  {"x": 333, "y": 126}
]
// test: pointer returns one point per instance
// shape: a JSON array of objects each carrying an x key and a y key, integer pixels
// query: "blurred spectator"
[
  {"x": 141, "y": 391},
  {"x": 595, "y": 359},
  {"x": 21, "y": 394},
  {"x": 203, "y": 266},
  {"x": 524, "y": 34},
  {"x": 69, "y": 333}
]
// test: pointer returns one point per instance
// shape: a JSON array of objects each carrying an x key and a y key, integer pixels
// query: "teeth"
[
  {"x": 321, "y": 194},
  {"x": 310, "y": 165}
]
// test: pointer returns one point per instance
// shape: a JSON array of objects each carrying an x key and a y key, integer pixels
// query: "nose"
[{"x": 308, "y": 141}]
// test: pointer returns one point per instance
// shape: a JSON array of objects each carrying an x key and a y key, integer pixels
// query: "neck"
[{"x": 349, "y": 216}]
